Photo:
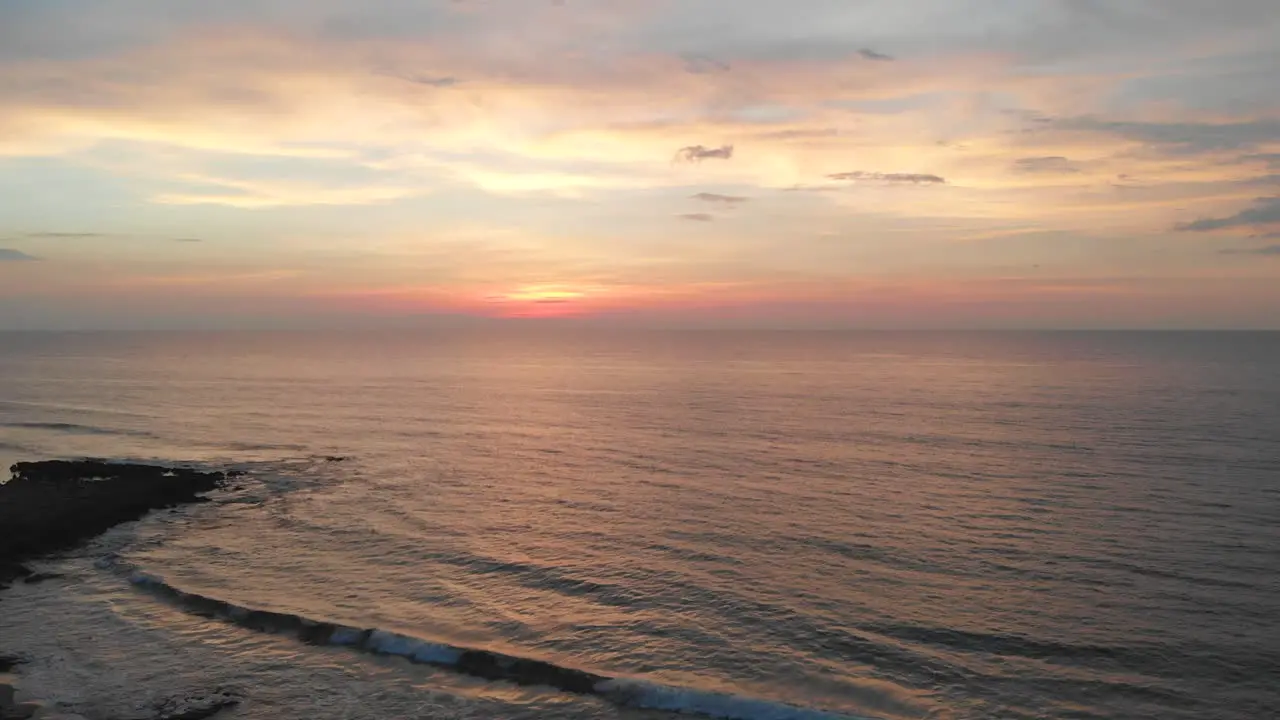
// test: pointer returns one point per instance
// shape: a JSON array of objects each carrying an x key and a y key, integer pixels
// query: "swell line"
[
  {"x": 76, "y": 428},
  {"x": 475, "y": 662}
]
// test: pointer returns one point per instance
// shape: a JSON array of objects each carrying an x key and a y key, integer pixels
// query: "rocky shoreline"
[{"x": 55, "y": 505}]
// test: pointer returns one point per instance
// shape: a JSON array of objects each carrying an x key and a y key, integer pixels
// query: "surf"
[{"x": 475, "y": 662}]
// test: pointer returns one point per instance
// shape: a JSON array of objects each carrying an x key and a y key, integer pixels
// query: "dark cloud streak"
[
  {"x": 436, "y": 82},
  {"x": 1269, "y": 250},
  {"x": 1189, "y": 138},
  {"x": 718, "y": 198},
  {"x": 911, "y": 178},
  {"x": 698, "y": 153},
  {"x": 1265, "y": 211},
  {"x": 11, "y": 255},
  {"x": 1049, "y": 164}
]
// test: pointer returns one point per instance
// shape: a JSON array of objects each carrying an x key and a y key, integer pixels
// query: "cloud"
[
  {"x": 813, "y": 188},
  {"x": 1272, "y": 179},
  {"x": 1265, "y": 212},
  {"x": 1184, "y": 137},
  {"x": 800, "y": 134},
  {"x": 438, "y": 82},
  {"x": 188, "y": 240},
  {"x": 1047, "y": 164},
  {"x": 718, "y": 198},
  {"x": 913, "y": 178},
  {"x": 868, "y": 54},
  {"x": 11, "y": 255},
  {"x": 1271, "y": 159},
  {"x": 1270, "y": 250},
  {"x": 251, "y": 194},
  {"x": 698, "y": 153},
  {"x": 702, "y": 64},
  {"x": 698, "y": 217},
  {"x": 65, "y": 235}
]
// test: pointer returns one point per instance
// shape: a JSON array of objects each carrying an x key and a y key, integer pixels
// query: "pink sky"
[{"x": 802, "y": 163}]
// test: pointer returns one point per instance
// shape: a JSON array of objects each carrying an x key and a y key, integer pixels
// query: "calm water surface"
[{"x": 749, "y": 525}]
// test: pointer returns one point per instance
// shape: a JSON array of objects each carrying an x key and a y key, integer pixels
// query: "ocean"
[{"x": 749, "y": 525}]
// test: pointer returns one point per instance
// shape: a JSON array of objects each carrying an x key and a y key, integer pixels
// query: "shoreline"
[
  {"x": 52, "y": 506},
  {"x": 62, "y": 504}
]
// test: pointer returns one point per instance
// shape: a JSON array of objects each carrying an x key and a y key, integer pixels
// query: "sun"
[
  {"x": 541, "y": 300},
  {"x": 544, "y": 293}
]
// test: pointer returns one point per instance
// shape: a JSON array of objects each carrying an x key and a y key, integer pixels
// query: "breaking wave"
[{"x": 476, "y": 662}]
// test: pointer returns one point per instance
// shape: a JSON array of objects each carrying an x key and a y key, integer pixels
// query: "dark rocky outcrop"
[
  {"x": 195, "y": 706},
  {"x": 54, "y": 505},
  {"x": 40, "y": 577}
]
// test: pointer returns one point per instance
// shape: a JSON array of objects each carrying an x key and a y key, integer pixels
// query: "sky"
[{"x": 702, "y": 163}]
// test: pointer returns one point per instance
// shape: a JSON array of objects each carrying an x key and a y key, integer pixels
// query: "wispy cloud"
[
  {"x": 249, "y": 194},
  {"x": 718, "y": 198},
  {"x": 65, "y": 235},
  {"x": 699, "y": 64},
  {"x": 801, "y": 134},
  {"x": 1184, "y": 137},
  {"x": 912, "y": 178},
  {"x": 1046, "y": 164},
  {"x": 11, "y": 255},
  {"x": 1272, "y": 160},
  {"x": 1264, "y": 213},
  {"x": 1270, "y": 250},
  {"x": 188, "y": 240},
  {"x": 698, "y": 153},
  {"x": 698, "y": 217},
  {"x": 868, "y": 54},
  {"x": 814, "y": 188},
  {"x": 436, "y": 82}
]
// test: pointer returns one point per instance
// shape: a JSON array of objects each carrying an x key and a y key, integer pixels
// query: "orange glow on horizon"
[{"x": 540, "y": 300}]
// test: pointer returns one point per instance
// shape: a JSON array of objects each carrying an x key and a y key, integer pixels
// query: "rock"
[
  {"x": 52, "y": 713},
  {"x": 21, "y": 711},
  {"x": 11, "y": 570},
  {"x": 40, "y": 577},
  {"x": 196, "y": 706},
  {"x": 7, "y": 692},
  {"x": 54, "y": 505}
]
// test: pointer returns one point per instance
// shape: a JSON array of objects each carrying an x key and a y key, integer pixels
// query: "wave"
[
  {"x": 76, "y": 428},
  {"x": 476, "y": 662}
]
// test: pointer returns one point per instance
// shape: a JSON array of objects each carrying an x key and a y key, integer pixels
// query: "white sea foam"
[
  {"x": 388, "y": 643},
  {"x": 137, "y": 577},
  {"x": 436, "y": 654},
  {"x": 346, "y": 637}
]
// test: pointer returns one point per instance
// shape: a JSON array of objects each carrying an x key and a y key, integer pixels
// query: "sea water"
[{"x": 752, "y": 525}]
